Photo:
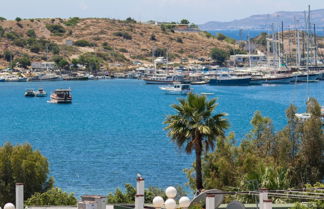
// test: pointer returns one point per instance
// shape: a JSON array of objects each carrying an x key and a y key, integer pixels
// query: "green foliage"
[
  {"x": 123, "y": 50},
  {"x": 52, "y": 197},
  {"x": 233, "y": 51},
  {"x": 37, "y": 45},
  {"x": 18, "y": 19},
  {"x": 219, "y": 55},
  {"x": 184, "y": 21},
  {"x": 130, "y": 20},
  {"x": 84, "y": 43},
  {"x": 22, "y": 164},
  {"x": 23, "y": 61},
  {"x": 8, "y": 55},
  {"x": 12, "y": 35},
  {"x": 2, "y": 30},
  {"x": 19, "y": 42},
  {"x": 261, "y": 39},
  {"x": 194, "y": 127},
  {"x": 61, "y": 62},
  {"x": 91, "y": 61},
  {"x": 153, "y": 37},
  {"x": 289, "y": 158},
  {"x": 31, "y": 33},
  {"x": 55, "y": 29},
  {"x": 129, "y": 195},
  {"x": 179, "y": 40},
  {"x": 2, "y": 19},
  {"x": 72, "y": 21},
  {"x": 167, "y": 27},
  {"x": 159, "y": 52},
  {"x": 207, "y": 34},
  {"x": 222, "y": 37},
  {"x": 124, "y": 35}
]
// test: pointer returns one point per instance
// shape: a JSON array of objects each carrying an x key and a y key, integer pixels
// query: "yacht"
[
  {"x": 227, "y": 79},
  {"x": 63, "y": 96},
  {"x": 163, "y": 79},
  {"x": 177, "y": 88},
  {"x": 29, "y": 93},
  {"x": 40, "y": 93}
]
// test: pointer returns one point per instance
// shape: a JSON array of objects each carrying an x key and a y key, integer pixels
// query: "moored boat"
[
  {"x": 62, "y": 96},
  {"x": 177, "y": 88},
  {"x": 230, "y": 80},
  {"x": 163, "y": 79},
  {"x": 40, "y": 93},
  {"x": 29, "y": 93}
]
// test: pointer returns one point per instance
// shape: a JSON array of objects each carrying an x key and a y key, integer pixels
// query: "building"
[
  {"x": 244, "y": 59},
  {"x": 42, "y": 66}
]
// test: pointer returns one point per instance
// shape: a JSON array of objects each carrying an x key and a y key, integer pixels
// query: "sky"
[{"x": 196, "y": 11}]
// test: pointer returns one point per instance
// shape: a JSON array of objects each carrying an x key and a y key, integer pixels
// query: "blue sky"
[{"x": 197, "y": 11}]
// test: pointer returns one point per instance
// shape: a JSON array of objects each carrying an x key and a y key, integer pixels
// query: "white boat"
[
  {"x": 303, "y": 116},
  {"x": 40, "y": 93},
  {"x": 29, "y": 93},
  {"x": 177, "y": 88},
  {"x": 163, "y": 79},
  {"x": 62, "y": 96}
]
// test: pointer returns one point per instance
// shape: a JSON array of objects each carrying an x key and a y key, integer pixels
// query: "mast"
[
  {"x": 315, "y": 46},
  {"x": 249, "y": 42}
]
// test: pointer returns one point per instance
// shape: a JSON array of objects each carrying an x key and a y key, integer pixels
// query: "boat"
[
  {"x": 278, "y": 79},
  {"x": 62, "y": 96},
  {"x": 29, "y": 93},
  {"x": 163, "y": 79},
  {"x": 198, "y": 82},
  {"x": 230, "y": 80},
  {"x": 303, "y": 116},
  {"x": 177, "y": 88},
  {"x": 40, "y": 93},
  {"x": 2, "y": 80},
  {"x": 307, "y": 76}
]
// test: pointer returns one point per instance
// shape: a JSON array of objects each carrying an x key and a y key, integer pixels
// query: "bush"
[
  {"x": 1, "y": 31},
  {"x": 72, "y": 21},
  {"x": 56, "y": 29},
  {"x": 179, "y": 40},
  {"x": 11, "y": 36},
  {"x": 2, "y": 19},
  {"x": 125, "y": 35},
  {"x": 159, "y": 52},
  {"x": 84, "y": 43},
  {"x": 52, "y": 197},
  {"x": 19, "y": 42},
  {"x": 18, "y": 19},
  {"x": 22, "y": 164},
  {"x": 153, "y": 38},
  {"x": 23, "y": 62},
  {"x": 31, "y": 33},
  {"x": 123, "y": 50},
  {"x": 184, "y": 21},
  {"x": 219, "y": 55},
  {"x": 8, "y": 55},
  {"x": 130, "y": 20}
]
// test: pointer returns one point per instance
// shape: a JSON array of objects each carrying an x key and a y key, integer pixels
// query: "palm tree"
[{"x": 194, "y": 127}]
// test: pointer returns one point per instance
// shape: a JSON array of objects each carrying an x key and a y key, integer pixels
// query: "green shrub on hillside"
[
  {"x": 18, "y": 19},
  {"x": 31, "y": 33},
  {"x": 2, "y": 19},
  {"x": 125, "y": 35},
  {"x": 22, "y": 62},
  {"x": 56, "y": 29},
  {"x": 2, "y": 31},
  {"x": 219, "y": 55},
  {"x": 53, "y": 197},
  {"x": 19, "y": 42},
  {"x": 8, "y": 55},
  {"x": 130, "y": 20},
  {"x": 11, "y": 35},
  {"x": 84, "y": 43},
  {"x": 72, "y": 21}
]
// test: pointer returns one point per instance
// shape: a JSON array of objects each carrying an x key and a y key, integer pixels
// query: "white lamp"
[
  {"x": 9, "y": 206},
  {"x": 171, "y": 192},
  {"x": 170, "y": 204},
  {"x": 158, "y": 202},
  {"x": 184, "y": 202}
]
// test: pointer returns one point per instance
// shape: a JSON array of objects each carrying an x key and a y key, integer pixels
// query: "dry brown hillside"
[{"x": 115, "y": 41}]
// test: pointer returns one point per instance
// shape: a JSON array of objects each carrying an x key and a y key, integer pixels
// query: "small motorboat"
[
  {"x": 40, "y": 93},
  {"x": 29, "y": 93},
  {"x": 62, "y": 96},
  {"x": 177, "y": 88}
]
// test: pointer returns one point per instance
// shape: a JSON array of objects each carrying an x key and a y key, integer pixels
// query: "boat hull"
[
  {"x": 283, "y": 80},
  {"x": 157, "y": 82},
  {"x": 230, "y": 82}
]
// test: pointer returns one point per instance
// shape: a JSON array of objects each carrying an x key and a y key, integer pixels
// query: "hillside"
[
  {"x": 113, "y": 41},
  {"x": 264, "y": 20}
]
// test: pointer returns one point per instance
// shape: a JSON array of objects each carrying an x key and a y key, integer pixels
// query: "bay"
[{"x": 114, "y": 128}]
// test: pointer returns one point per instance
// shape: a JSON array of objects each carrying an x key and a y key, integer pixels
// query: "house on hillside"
[{"x": 42, "y": 66}]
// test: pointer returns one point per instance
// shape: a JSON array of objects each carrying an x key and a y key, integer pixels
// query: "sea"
[
  {"x": 244, "y": 34},
  {"x": 114, "y": 128}
]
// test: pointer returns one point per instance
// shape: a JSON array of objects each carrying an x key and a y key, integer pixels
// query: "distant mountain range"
[{"x": 259, "y": 22}]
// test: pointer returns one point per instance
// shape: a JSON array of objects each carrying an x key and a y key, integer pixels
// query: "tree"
[
  {"x": 24, "y": 165},
  {"x": 31, "y": 33},
  {"x": 194, "y": 127},
  {"x": 219, "y": 55},
  {"x": 8, "y": 55},
  {"x": 18, "y": 19},
  {"x": 184, "y": 21},
  {"x": 23, "y": 62},
  {"x": 52, "y": 197}
]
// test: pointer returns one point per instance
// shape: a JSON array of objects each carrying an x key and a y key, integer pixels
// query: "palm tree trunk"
[{"x": 199, "y": 183}]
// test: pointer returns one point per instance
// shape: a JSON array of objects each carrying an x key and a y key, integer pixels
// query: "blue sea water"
[
  {"x": 114, "y": 128},
  {"x": 235, "y": 34}
]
